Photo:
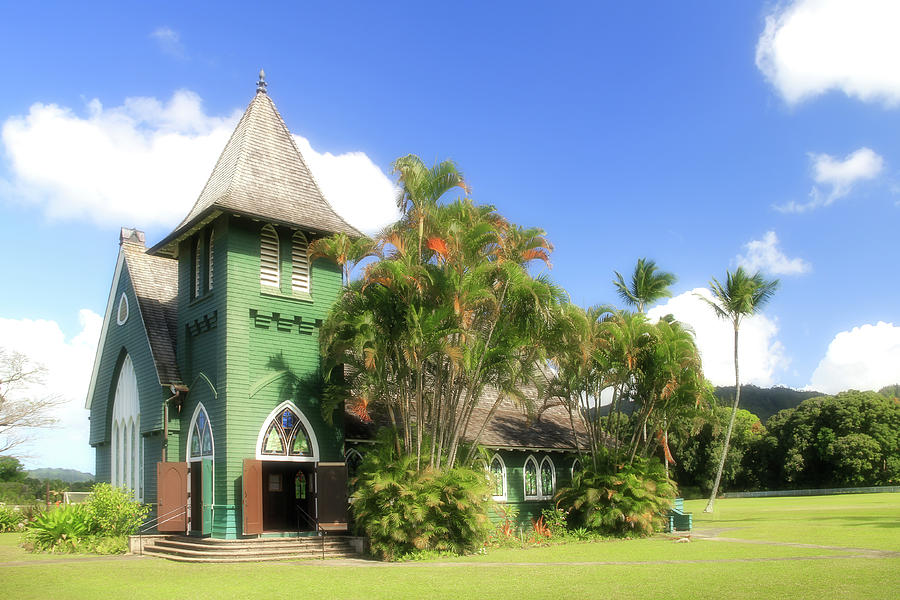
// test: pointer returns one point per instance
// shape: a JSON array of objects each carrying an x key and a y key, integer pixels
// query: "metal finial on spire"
[{"x": 261, "y": 84}]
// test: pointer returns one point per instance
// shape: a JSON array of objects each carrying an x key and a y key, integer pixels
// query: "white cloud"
[
  {"x": 864, "y": 358},
  {"x": 356, "y": 188},
  {"x": 765, "y": 255},
  {"x": 761, "y": 357},
  {"x": 809, "y": 47},
  {"x": 68, "y": 365},
  {"x": 144, "y": 163},
  {"x": 836, "y": 177},
  {"x": 169, "y": 41}
]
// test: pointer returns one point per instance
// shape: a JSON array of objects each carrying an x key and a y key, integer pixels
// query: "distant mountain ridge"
[
  {"x": 67, "y": 475},
  {"x": 764, "y": 402}
]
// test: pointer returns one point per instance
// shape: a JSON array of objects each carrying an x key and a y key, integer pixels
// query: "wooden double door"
[
  {"x": 184, "y": 496},
  {"x": 292, "y": 496}
]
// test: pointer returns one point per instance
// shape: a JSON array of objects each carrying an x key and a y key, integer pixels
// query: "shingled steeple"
[{"x": 261, "y": 174}]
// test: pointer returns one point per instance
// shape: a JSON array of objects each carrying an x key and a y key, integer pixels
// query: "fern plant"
[
  {"x": 403, "y": 511},
  {"x": 631, "y": 500}
]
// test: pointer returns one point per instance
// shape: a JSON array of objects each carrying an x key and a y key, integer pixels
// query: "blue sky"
[{"x": 702, "y": 135}]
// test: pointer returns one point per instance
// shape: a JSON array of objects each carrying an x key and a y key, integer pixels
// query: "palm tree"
[
  {"x": 648, "y": 284},
  {"x": 743, "y": 295}
]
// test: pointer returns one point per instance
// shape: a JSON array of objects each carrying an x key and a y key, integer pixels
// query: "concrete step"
[
  {"x": 190, "y": 549},
  {"x": 237, "y": 558}
]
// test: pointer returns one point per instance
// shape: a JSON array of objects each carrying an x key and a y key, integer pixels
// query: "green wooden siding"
[
  {"x": 530, "y": 509},
  {"x": 271, "y": 354},
  {"x": 129, "y": 338}
]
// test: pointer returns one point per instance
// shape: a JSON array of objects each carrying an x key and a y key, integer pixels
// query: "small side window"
[{"x": 122, "y": 311}]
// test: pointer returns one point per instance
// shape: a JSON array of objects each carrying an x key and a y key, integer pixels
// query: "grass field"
[{"x": 812, "y": 547}]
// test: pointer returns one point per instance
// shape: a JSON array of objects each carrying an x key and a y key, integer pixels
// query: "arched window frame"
[
  {"x": 122, "y": 309},
  {"x": 537, "y": 470},
  {"x": 576, "y": 467},
  {"x": 301, "y": 272},
  {"x": 310, "y": 432},
  {"x": 269, "y": 258},
  {"x": 126, "y": 447},
  {"x": 191, "y": 432},
  {"x": 541, "y": 478},
  {"x": 350, "y": 455},
  {"x": 503, "y": 480}
]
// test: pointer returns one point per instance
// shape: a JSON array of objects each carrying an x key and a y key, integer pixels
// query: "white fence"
[{"x": 822, "y": 492}]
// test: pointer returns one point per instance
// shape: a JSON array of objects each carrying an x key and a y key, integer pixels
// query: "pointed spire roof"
[{"x": 261, "y": 174}]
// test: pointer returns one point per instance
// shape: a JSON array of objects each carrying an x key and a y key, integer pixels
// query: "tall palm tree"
[
  {"x": 743, "y": 295},
  {"x": 648, "y": 284}
]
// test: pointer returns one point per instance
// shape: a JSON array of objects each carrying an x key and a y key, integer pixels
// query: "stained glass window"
[
  {"x": 499, "y": 477},
  {"x": 201, "y": 435},
  {"x": 273, "y": 444},
  {"x": 531, "y": 476},
  {"x": 546, "y": 477},
  {"x": 286, "y": 433}
]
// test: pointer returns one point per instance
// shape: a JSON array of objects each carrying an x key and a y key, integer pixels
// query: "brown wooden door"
[
  {"x": 331, "y": 490},
  {"x": 252, "y": 508},
  {"x": 171, "y": 496}
]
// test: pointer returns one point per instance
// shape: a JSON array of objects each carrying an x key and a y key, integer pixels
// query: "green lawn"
[{"x": 653, "y": 568}]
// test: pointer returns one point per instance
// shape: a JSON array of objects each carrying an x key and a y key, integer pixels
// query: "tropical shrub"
[
  {"x": 59, "y": 529},
  {"x": 11, "y": 518},
  {"x": 554, "y": 519},
  {"x": 404, "y": 511},
  {"x": 630, "y": 501},
  {"x": 113, "y": 511}
]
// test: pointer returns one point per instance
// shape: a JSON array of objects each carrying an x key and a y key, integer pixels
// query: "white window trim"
[
  {"x": 307, "y": 288},
  {"x": 577, "y": 461},
  {"x": 504, "y": 496},
  {"x": 126, "y": 469},
  {"x": 313, "y": 442},
  {"x": 272, "y": 279},
  {"x": 537, "y": 467},
  {"x": 190, "y": 438},
  {"x": 123, "y": 299},
  {"x": 546, "y": 459}
]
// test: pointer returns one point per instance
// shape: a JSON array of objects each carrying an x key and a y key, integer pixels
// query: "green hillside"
[
  {"x": 67, "y": 475},
  {"x": 764, "y": 402}
]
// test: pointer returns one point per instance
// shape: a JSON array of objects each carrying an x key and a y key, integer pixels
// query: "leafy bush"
[
  {"x": 403, "y": 511},
  {"x": 630, "y": 501},
  {"x": 113, "y": 511},
  {"x": 11, "y": 518},
  {"x": 59, "y": 529},
  {"x": 554, "y": 520}
]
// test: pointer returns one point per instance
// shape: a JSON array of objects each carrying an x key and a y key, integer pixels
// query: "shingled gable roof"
[
  {"x": 261, "y": 174},
  {"x": 155, "y": 281},
  {"x": 509, "y": 427}
]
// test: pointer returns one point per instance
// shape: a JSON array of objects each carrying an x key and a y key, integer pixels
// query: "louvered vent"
[
  {"x": 197, "y": 269},
  {"x": 268, "y": 256},
  {"x": 300, "y": 262},
  {"x": 212, "y": 233}
]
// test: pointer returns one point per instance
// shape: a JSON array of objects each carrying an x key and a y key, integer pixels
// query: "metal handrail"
[
  {"x": 315, "y": 522},
  {"x": 154, "y": 523}
]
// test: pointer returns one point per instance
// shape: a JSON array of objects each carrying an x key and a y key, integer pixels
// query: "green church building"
[{"x": 203, "y": 396}]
